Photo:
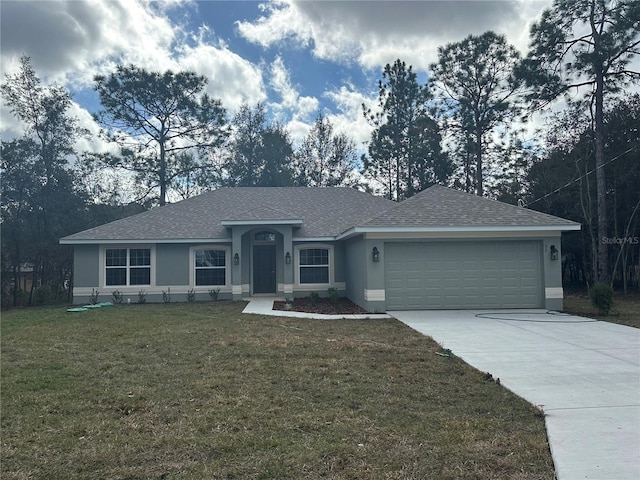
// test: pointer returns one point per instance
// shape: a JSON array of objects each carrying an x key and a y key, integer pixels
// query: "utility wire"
[{"x": 525, "y": 204}]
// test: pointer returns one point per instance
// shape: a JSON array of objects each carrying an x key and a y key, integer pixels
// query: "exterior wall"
[
  {"x": 172, "y": 265},
  {"x": 364, "y": 277},
  {"x": 356, "y": 279},
  {"x": 553, "y": 292},
  {"x": 86, "y": 266},
  {"x": 171, "y": 274},
  {"x": 242, "y": 286},
  {"x": 375, "y": 289},
  {"x": 339, "y": 263},
  {"x": 354, "y": 273}
]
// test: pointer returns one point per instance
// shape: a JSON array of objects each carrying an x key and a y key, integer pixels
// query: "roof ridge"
[{"x": 440, "y": 205}]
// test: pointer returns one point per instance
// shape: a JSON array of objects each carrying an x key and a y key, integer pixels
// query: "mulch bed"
[{"x": 343, "y": 306}]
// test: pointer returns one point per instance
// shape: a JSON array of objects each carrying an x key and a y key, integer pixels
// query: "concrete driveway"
[{"x": 584, "y": 374}]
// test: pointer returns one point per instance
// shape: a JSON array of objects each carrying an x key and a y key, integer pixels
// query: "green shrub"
[
  {"x": 334, "y": 297},
  {"x": 95, "y": 295},
  {"x": 142, "y": 296},
  {"x": 117, "y": 296},
  {"x": 314, "y": 297},
  {"x": 166, "y": 296},
  {"x": 601, "y": 297},
  {"x": 191, "y": 296},
  {"x": 214, "y": 294}
]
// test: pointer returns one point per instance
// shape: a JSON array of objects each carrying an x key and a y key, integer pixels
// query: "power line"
[{"x": 525, "y": 204}]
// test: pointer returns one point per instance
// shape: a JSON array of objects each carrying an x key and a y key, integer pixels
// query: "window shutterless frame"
[
  {"x": 314, "y": 265},
  {"x": 125, "y": 267},
  {"x": 209, "y": 267}
]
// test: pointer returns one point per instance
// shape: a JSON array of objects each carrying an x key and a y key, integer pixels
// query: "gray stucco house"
[{"x": 440, "y": 249}]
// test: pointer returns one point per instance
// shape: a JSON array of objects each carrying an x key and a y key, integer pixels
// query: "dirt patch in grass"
[
  {"x": 625, "y": 311},
  {"x": 339, "y": 306},
  {"x": 201, "y": 391}
]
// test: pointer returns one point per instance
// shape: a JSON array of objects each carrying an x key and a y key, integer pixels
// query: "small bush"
[
  {"x": 95, "y": 295},
  {"x": 213, "y": 293},
  {"x": 191, "y": 296},
  {"x": 333, "y": 296},
  {"x": 117, "y": 296},
  {"x": 142, "y": 296},
  {"x": 601, "y": 297},
  {"x": 314, "y": 297},
  {"x": 166, "y": 296}
]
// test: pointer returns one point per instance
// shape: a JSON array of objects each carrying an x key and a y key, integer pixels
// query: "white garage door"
[{"x": 461, "y": 275}]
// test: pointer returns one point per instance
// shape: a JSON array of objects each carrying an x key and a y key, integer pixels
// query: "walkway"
[{"x": 264, "y": 306}]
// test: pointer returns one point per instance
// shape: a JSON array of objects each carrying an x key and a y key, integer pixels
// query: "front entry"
[{"x": 264, "y": 269}]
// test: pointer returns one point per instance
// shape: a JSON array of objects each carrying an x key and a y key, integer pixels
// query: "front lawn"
[
  {"x": 625, "y": 311},
  {"x": 201, "y": 391}
]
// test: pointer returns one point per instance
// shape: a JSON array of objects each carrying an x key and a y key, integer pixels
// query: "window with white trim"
[
  {"x": 314, "y": 265},
  {"x": 127, "y": 266},
  {"x": 210, "y": 267}
]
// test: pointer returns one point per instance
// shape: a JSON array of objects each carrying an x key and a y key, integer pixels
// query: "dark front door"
[{"x": 264, "y": 269}]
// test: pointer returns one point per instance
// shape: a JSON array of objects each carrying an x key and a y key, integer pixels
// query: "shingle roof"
[
  {"x": 325, "y": 212},
  {"x": 319, "y": 213},
  {"x": 439, "y": 206},
  {"x": 262, "y": 213}
]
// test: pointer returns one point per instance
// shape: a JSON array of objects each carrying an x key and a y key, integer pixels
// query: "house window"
[
  {"x": 127, "y": 266},
  {"x": 314, "y": 265},
  {"x": 210, "y": 267}
]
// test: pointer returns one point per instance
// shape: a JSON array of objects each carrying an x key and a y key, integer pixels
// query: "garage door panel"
[{"x": 463, "y": 275}]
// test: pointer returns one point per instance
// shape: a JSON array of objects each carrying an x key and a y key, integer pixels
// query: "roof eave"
[
  {"x": 236, "y": 223},
  {"x": 353, "y": 231},
  {"x": 138, "y": 241},
  {"x": 314, "y": 239},
  {"x": 461, "y": 229}
]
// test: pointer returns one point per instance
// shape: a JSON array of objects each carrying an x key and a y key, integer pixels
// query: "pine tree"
[
  {"x": 404, "y": 154},
  {"x": 586, "y": 45}
]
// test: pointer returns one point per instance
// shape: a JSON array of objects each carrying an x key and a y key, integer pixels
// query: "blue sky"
[{"x": 299, "y": 57}]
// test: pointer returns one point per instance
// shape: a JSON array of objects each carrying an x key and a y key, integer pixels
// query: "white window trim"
[
  {"x": 313, "y": 286},
  {"x": 102, "y": 279},
  {"x": 192, "y": 267}
]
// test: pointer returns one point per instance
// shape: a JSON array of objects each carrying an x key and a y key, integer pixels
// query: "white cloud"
[
  {"x": 350, "y": 119},
  {"x": 75, "y": 40},
  {"x": 10, "y": 127},
  {"x": 375, "y": 33},
  {"x": 282, "y": 21},
  {"x": 299, "y": 110},
  {"x": 231, "y": 78},
  {"x": 281, "y": 83},
  {"x": 93, "y": 143},
  {"x": 298, "y": 130}
]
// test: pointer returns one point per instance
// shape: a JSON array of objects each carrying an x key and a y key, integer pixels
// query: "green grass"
[
  {"x": 625, "y": 311},
  {"x": 196, "y": 391}
]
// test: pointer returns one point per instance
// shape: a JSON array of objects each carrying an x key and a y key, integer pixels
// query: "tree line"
[{"x": 463, "y": 128}]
